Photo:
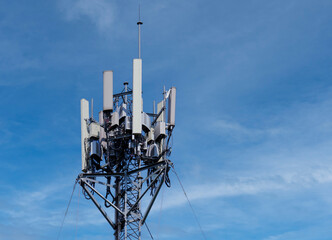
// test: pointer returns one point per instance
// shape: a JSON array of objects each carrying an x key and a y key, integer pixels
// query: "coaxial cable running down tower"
[{"x": 126, "y": 153}]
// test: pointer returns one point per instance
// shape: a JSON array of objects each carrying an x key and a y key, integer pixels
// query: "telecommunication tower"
[{"x": 126, "y": 153}]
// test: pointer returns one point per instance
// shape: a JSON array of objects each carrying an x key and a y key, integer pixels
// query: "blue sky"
[{"x": 253, "y": 138}]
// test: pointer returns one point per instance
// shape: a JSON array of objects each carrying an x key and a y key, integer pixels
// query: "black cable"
[
  {"x": 167, "y": 181},
  {"x": 63, "y": 220},
  {"x": 148, "y": 230},
  {"x": 192, "y": 209},
  {"x": 169, "y": 137},
  {"x": 108, "y": 192}
]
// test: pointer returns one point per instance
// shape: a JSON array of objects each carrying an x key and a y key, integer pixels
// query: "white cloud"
[{"x": 100, "y": 12}]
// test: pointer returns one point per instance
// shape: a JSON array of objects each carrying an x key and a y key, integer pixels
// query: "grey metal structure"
[{"x": 125, "y": 155}]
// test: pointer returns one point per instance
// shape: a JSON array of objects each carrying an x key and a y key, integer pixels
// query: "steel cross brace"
[
  {"x": 102, "y": 211},
  {"x": 85, "y": 178}
]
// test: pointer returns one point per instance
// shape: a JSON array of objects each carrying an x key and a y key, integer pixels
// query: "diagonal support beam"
[
  {"x": 145, "y": 179},
  {"x": 153, "y": 199},
  {"x": 122, "y": 94},
  {"x": 101, "y": 175},
  {"x": 100, "y": 195},
  {"x": 95, "y": 181},
  {"x": 147, "y": 167},
  {"x": 146, "y": 190},
  {"x": 102, "y": 211}
]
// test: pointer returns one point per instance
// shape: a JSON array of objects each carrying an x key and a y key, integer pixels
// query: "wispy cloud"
[
  {"x": 100, "y": 12},
  {"x": 45, "y": 206},
  {"x": 13, "y": 232},
  {"x": 238, "y": 131},
  {"x": 13, "y": 58},
  {"x": 314, "y": 231},
  {"x": 240, "y": 186}
]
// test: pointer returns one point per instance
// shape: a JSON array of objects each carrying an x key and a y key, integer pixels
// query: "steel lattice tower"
[{"x": 125, "y": 155}]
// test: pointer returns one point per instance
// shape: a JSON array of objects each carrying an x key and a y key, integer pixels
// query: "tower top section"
[{"x": 128, "y": 150}]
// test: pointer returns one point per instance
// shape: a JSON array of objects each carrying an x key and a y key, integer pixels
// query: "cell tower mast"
[{"x": 125, "y": 155}]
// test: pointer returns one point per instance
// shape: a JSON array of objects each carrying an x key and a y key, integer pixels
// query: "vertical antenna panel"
[
  {"x": 171, "y": 107},
  {"x": 137, "y": 96},
  {"x": 161, "y": 118},
  {"x": 84, "y": 130},
  {"x": 102, "y": 135},
  {"x": 115, "y": 120},
  {"x": 108, "y": 91}
]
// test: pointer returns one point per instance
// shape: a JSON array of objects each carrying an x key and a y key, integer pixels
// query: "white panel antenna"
[
  {"x": 102, "y": 135},
  {"x": 137, "y": 96},
  {"x": 84, "y": 131},
  {"x": 160, "y": 107},
  {"x": 171, "y": 107},
  {"x": 108, "y": 91}
]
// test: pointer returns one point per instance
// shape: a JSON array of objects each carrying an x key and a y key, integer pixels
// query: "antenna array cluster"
[{"x": 126, "y": 153}]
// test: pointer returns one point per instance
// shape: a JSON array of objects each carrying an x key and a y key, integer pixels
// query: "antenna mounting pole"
[{"x": 139, "y": 23}]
